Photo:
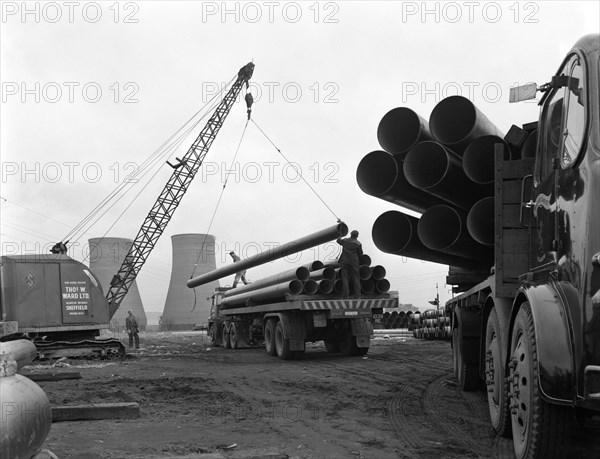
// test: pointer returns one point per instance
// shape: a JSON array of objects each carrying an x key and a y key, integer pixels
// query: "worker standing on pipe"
[
  {"x": 240, "y": 274},
  {"x": 350, "y": 262}
]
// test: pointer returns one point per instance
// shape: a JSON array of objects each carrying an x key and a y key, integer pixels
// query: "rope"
[
  {"x": 217, "y": 207},
  {"x": 170, "y": 144},
  {"x": 301, "y": 176}
]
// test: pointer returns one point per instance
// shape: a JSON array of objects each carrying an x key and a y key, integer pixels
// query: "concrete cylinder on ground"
[
  {"x": 106, "y": 256},
  {"x": 182, "y": 310}
]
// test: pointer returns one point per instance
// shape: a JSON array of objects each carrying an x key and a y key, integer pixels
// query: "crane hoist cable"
[
  {"x": 249, "y": 102},
  {"x": 299, "y": 172},
  {"x": 165, "y": 149}
]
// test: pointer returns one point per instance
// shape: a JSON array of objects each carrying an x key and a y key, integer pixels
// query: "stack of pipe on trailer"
[
  {"x": 443, "y": 170},
  {"x": 313, "y": 279}
]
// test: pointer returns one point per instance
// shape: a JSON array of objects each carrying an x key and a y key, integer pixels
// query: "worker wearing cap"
[
  {"x": 350, "y": 262},
  {"x": 240, "y": 274},
  {"x": 132, "y": 329}
]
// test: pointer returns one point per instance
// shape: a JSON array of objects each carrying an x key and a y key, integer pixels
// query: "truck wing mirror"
[{"x": 524, "y": 92}]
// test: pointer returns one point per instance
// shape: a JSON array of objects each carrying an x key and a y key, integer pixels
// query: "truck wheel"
[
  {"x": 212, "y": 335},
  {"x": 270, "y": 338},
  {"x": 497, "y": 388},
  {"x": 331, "y": 346},
  {"x": 539, "y": 429},
  {"x": 467, "y": 374},
  {"x": 282, "y": 345},
  {"x": 233, "y": 336},
  {"x": 347, "y": 343},
  {"x": 225, "y": 336}
]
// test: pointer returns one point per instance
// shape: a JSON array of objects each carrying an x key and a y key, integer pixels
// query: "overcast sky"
[{"x": 91, "y": 89}]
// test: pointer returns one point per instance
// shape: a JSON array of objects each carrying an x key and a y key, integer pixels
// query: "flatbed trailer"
[{"x": 344, "y": 324}]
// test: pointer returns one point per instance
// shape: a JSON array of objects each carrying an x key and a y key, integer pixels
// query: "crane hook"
[{"x": 249, "y": 101}]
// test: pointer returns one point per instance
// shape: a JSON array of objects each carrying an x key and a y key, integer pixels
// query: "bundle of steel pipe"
[
  {"x": 272, "y": 293},
  {"x": 325, "y": 273},
  {"x": 302, "y": 273},
  {"x": 444, "y": 170},
  {"x": 306, "y": 242}
]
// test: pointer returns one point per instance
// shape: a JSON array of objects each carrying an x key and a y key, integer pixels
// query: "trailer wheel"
[
  {"x": 233, "y": 336},
  {"x": 497, "y": 387},
  {"x": 282, "y": 345},
  {"x": 467, "y": 374},
  {"x": 539, "y": 428},
  {"x": 212, "y": 335},
  {"x": 225, "y": 336},
  {"x": 270, "y": 337},
  {"x": 331, "y": 346}
]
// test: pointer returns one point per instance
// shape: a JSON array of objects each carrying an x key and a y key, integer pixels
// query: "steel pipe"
[
  {"x": 325, "y": 286},
  {"x": 272, "y": 293},
  {"x": 379, "y": 272},
  {"x": 480, "y": 221},
  {"x": 302, "y": 273},
  {"x": 310, "y": 287},
  {"x": 367, "y": 286},
  {"x": 22, "y": 351},
  {"x": 478, "y": 158},
  {"x": 306, "y": 242},
  {"x": 314, "y": 266},
  {"x": 365, "y": 260},
  {"x": 380, "y": 174},
  {"x": 338, "y": 286},
  {"x": 382, "y": 286},
  {"x": 325, "y": 273},
  {"x": 444, "y": 229},
  {"x": 396, "y": 233},
  {"x": 456, "y": 122},
  {"x": 433, "y": 168},
  {"x": 400, "y": 129},
  {"x": 26, "y": 417},
  {"x": 365, "y": 272}
]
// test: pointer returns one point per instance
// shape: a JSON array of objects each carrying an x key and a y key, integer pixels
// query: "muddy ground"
[{"x": 401, "y": 400}]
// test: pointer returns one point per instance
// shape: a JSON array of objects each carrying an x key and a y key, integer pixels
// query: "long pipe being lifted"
[{"x": 306, "y": 242}]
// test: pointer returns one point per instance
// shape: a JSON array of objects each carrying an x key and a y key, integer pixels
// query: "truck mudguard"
[{"x": 554, "y": 342}]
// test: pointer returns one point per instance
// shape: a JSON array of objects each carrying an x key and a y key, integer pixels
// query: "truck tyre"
[
  {"x": 233, "y": 336},
  {"x": 282, "y": 345},
  {"x": 347, "y": 343},
  {"x": 331, "y": 346},
  {"x": 225, "y": 336},
  {"x": 270, "y": 337},
  {"x": 497, "y": 387},
  {"x": 540, "y": 429},
  {"x": 212, "y": 335},
  {"x": 467, "y": 374}
]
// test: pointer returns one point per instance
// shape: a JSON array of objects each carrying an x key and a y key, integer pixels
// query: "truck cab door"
[{"x": 560, "y": 138}]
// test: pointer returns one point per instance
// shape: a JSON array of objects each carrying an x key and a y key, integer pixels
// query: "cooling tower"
[
  {"x": 182, "y": 309},
  {"x": 106, "y": 256}
]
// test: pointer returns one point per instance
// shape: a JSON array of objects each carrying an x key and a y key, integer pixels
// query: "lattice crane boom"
[{"x": 163, "y": 209}]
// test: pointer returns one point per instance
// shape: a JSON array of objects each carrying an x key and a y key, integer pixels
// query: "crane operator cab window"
[{"x": 563, "y": 120}]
